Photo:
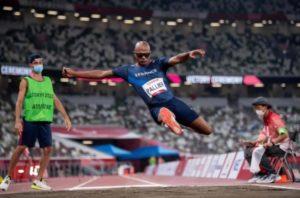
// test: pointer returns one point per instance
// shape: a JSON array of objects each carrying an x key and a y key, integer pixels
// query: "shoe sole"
[
  {"x": 35, "y": 187},
  {"x": 265, "y": 182},
  {"x": 168, "y": 118}
]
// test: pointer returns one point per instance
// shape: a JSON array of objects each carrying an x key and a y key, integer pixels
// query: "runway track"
[{"x": 151, "y": 186}]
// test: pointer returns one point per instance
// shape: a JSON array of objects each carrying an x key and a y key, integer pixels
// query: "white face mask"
[
  {"x": 38, "y": 69},
  {"x": 260, "y": 113}
]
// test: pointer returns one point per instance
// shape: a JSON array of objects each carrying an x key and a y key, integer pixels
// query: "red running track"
[{"x": 140, "y": 180}]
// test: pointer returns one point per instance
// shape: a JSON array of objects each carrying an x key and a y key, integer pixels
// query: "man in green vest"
[{"x": 37, "y": 99}]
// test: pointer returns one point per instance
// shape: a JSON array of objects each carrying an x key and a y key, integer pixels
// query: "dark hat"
[
  {"x": 32, "y": 57},
  {"x": 261, "y": 101}
]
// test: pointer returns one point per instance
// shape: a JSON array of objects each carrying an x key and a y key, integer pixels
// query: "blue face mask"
[{"x": 38, "y": 69}]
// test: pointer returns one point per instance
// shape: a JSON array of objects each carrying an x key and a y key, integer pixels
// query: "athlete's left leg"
[
  {"x": 45, "y": 141},
  {"x": 40, "y": 183},
  {"x": 201, "y": 126},
  {"x": 186, "y": 116},
  {"x": 168, "y": 118},
  {"x": 46, "y": 154}
]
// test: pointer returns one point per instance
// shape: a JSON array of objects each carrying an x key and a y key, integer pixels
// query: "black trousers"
[{"x": 273, "y": 151}]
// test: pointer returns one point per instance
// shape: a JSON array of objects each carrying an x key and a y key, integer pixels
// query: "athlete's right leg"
[
  {"x": 12, "y": 164},
  {"x": 27, "y": 139},
  {"x": 15, "y": 158}
]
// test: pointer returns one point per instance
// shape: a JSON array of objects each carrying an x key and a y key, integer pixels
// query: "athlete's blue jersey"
[{"x": 150, "y": 82}]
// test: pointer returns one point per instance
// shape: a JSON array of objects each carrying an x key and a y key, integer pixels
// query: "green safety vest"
[{"x": 39, "y": 100}]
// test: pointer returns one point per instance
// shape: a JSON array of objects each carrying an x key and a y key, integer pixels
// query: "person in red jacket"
[{"x": 273, "y": 137}]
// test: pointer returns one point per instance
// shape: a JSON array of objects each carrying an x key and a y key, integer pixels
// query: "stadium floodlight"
[
  {"x": 104, "y": 80},
  {"x": 214, "y": 24},
  {"x": 39, "y": 15},
  {"x": 258, "y": 25},
  {"x": 87, "y": 142},
  {"x": 96, "y": 16},
  {"x": 104, "y": 20},
  {"x": 76, "y": 14},
  {"x": 175, "y": 84},
  {"x": 61, "y": 17},
  {"x": 171, "y": 23},
  {"x": 179, "y": 20},
  {"x": 17, "y": 13},
  {"x": 137, "y": 18},
  {"x": 259, "y": 85},
  {"x": 52, "y": 12},
  {"x": 7, "y": 8},
  {"x": 216, "y": 85},
  {"x": 93, "y": 83},
  {"x": 85, "y": 19},
  {"x": 187, "y": 83},
  {"x": 65, "y": 80},
  {"x": 148, "y": 22},
  {"x": 110, "y": 83},
  {"x": 128, "y": 21}
]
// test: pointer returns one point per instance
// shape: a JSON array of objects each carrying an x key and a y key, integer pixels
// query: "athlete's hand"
[
  {"x": 68, "y": 123},
  {"x": 196, "y": 52},
  {"x": 19, "y": 127},
  {"x": 68, "y": 72}
]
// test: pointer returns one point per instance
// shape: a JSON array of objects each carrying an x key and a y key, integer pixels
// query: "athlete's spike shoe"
[
  {"x": 5, "y": 183},
  {"x": 168, "y": 118},
  {"x": 40, "y": 185}
]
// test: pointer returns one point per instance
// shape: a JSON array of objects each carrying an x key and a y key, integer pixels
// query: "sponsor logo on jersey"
[{"x": 141, "y": 74}]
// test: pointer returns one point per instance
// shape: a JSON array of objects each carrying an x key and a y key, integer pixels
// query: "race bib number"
[{"x": 154, "y": 87}]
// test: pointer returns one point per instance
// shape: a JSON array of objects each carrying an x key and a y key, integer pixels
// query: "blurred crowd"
[
  {"x": 220, "y": 6},
  {"x": 231, "y": 124},
  {"x": 228, "y": 51}
]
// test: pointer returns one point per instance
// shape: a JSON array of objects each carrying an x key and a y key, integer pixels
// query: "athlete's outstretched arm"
[
  {"x": 87, "y": 74},
  {"x": 180, "y": 58}
]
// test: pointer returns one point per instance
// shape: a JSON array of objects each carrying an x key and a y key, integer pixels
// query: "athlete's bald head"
[
  {"x": 142, "y": 47},
  {"x": 142, "y": 53}
]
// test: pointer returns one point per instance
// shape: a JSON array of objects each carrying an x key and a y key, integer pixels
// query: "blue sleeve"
[
  {"x": 121, "y": 72},
  {"x": 163, "y": 63}
]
